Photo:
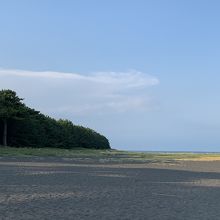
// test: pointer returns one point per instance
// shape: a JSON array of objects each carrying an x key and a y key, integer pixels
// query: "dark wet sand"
[{"x": 55, "y": 188}]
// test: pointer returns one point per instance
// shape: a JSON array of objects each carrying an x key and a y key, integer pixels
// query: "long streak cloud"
[{"x": 74, "y": 93}]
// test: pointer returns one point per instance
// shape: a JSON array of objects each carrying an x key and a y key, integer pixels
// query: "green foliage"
[
  {"x": 10, "y": 105},
  {"x": 30, "y": 128}
]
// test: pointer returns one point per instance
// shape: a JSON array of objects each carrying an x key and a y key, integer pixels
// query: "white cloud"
[{"x": 73, "y": 93}]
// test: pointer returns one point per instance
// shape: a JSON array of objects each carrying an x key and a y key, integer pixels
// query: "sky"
[{"x": 145, "y": 73}]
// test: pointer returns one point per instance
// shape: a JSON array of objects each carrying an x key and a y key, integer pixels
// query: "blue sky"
[{"x": 144, "y": 73}]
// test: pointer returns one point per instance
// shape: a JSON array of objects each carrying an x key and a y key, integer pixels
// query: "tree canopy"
[{"x": 21, "y": 126}]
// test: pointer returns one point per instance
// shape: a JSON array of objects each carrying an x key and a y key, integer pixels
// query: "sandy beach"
[{"x": 63, "y": 188}]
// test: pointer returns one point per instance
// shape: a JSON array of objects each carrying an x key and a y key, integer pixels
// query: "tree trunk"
[{"x": 5, "y": 132}]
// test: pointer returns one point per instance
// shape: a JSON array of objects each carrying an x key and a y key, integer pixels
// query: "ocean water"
[{"x": 175, "y": 152}]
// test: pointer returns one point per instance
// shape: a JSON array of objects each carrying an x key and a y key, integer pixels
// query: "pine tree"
[{"x": 11, "y": 108}]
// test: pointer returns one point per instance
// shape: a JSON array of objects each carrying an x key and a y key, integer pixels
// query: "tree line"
[{"x": 21, "y": 126}]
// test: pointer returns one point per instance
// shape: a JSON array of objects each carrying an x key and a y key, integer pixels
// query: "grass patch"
[
  {"x": 107, "y": 155},
  {"x": 56, "y": 152}
]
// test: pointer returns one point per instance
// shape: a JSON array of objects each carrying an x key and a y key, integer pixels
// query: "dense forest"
[{"x": 21, "y": 126}]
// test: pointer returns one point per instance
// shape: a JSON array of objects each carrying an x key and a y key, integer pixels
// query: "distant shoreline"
[
  {"x": 176, "y": 152},
  {"x": 109, "y": 155}
]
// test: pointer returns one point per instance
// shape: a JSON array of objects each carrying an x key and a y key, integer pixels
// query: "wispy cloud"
[{"x": 74, "y": 93}]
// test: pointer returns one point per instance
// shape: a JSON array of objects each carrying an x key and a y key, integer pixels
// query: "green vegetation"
[
  {"x": 21, "y": 126},
  {"x": 56, "y": 152},
  {"x": 106, "y": 155}
]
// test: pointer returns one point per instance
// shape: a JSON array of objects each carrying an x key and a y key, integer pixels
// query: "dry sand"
[{"x": 58, "y": 188}]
